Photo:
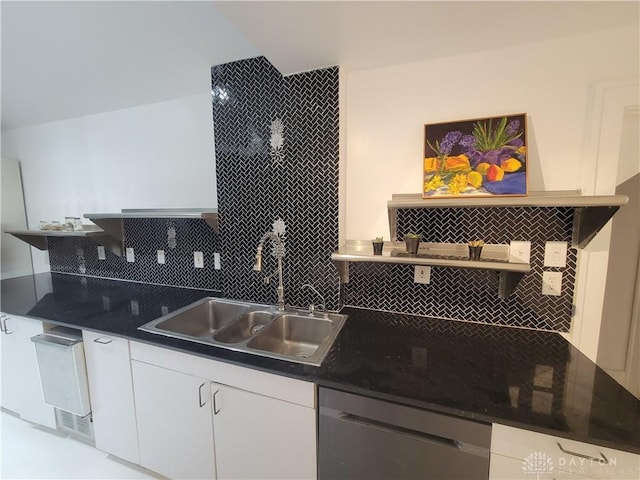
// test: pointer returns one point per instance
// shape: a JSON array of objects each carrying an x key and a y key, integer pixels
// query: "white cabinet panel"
[
  {"x": 21, "y": 387},
  {"x": 175, "y": 425},
  {"x": 111, "y": 388},
  {"x": 583, "y": 459},
  {"x": 258, "y": 437},
  {"x": 506, "y": 468}
]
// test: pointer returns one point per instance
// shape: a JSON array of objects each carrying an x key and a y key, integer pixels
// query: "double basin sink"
[{"x": 292, "y": 335}]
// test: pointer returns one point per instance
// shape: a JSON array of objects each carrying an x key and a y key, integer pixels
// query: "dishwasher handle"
[
  {"x": 396, "y": 430},
  {"x": 55, "y": 341}
]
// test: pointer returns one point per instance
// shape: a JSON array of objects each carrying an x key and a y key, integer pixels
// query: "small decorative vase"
[
  {"x": 377, "y": 247},
  {"x": 412, "y": 245},
  {"x": 474, "y": 253}
]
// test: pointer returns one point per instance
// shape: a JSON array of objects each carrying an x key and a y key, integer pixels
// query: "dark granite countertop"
[{"x": 527, "y": 379}]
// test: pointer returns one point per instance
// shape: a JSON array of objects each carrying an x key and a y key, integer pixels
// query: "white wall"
[
  {"x": 552, "y": 81},
  {"x": 151, "y": 156}
]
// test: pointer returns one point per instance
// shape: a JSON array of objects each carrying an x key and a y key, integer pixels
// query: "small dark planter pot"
[
  {"x": 474, "y": 253},
  {"x": 412, "y": 245},
  {"x": 377, "y": 247}
]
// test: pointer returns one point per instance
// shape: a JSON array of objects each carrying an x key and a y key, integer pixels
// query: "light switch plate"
[
  {"x": 216, "y": 261},
  {"x": 101, "y": 253},
  {"x": 551, "y": 283},
  {"x": 198, "y": 260},
  {"x": 161, "y": 257},
  {"x": 135, "y": 307},
  {"x": 519, "y": 252},
  {"x": 131, "y": 257},
  {"x": 422, "y": 274},
  {"x": 164, "y": 309},
  {"x": 555, "y": 254}
]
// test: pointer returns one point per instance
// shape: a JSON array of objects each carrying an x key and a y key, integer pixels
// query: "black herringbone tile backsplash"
[
  {"x": 298, "y": 185},
  {"x": 472, "y": 294},
  {"x": 276, "y": 143}
]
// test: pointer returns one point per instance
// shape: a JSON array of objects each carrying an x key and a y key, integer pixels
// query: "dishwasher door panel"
[{"x": 384, "y": 440}]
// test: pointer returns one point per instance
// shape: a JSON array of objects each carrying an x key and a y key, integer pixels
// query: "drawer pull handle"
[
  {"x": 6, "y": 329},
  {"x": 202, "y": 404},
  {"x": 603, "y": 460},
  {"x": 102, "y": 340},
  {"x": 216, "y": 410}
]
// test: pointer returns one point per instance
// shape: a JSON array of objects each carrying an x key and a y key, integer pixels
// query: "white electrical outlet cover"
[
  {"x": 101, "y": 253},
  {"x": 216, "y": 261},
  {"x": 135, "y": 307},
  {"x": 422, "y": 274},
  {"x": 161, "y": 257},
  {"x": 555, "y": 254},
  {"x": 198, "y": 260},
  {"x": 131, "y": 257},
  {"x": 552, "y": 283},
  {"x": 519, "y": 252}
]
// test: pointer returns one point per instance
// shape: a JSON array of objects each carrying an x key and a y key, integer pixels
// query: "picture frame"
[{"x": 484, "y": 157}]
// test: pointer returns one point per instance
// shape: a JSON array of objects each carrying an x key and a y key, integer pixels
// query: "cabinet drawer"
[
  {"x": 507, "y": 468},
  {"x": 592, "y": 461}
]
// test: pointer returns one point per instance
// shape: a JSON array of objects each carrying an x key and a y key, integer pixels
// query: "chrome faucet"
[
  {"x": 278, "y": 246},
  {"x": 312, "y": 307}
]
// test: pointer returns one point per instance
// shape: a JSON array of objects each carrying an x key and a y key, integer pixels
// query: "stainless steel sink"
[
  {"x": 244, "y": 327},
  {"x": 292, "y": 335},
  {"x": 198, "y": 320}
]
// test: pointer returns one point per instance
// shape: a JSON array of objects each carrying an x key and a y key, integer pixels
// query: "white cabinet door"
[
  {"x": 175, "y": 425},
  {"x": 111, "y": 389},
  {"x": 260, "y": 437},
  {"x": 568, "y": 456},
  {"x": 21, "y": 387},
  {"x": 506, "y": 468}
]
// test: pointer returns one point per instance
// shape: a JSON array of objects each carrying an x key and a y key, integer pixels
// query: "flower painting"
[{"x": 482, "y": 157}]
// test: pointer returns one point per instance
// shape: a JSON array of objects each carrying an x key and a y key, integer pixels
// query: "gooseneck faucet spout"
[{"x": 278, "y": 246}]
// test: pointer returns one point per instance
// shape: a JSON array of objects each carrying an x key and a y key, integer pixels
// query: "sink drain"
[{"x": 256, "y": 328}]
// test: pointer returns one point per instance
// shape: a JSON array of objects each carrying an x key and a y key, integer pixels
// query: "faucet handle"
[{"x": 312, "y": 307}]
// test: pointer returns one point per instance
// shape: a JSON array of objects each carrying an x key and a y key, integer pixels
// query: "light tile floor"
[{"x": 28, "y": 451}]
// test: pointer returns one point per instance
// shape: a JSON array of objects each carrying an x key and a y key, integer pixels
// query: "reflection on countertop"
[{"x": 524, "y": 378}]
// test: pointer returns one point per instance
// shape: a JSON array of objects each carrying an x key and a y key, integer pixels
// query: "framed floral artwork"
[{"x": 481, "y": 157}]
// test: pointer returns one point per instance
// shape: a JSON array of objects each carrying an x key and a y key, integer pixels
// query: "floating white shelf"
[
  {"x": 38, "y": 238},
  {"x": 494, "y": 258},
  {"x": 112, "y": 223},
  {"x": 592, "y": 212}
]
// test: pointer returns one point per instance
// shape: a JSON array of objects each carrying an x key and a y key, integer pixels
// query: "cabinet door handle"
[
  {"x": 6, "y": 330},
  {"x": 582, "y": 455},
  {"x": 102, "y": 341},
  {"x": 216, "y": 410},
  {"x": 200, "y": 396},
  {"x": 2, "y": 324}
]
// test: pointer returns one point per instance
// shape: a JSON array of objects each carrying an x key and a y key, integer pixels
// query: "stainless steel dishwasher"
[{"x": 364, "y": 438}]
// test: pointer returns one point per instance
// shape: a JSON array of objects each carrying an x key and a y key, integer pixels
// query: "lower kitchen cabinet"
[
  {"x": 21, "y": 387},
  {"x": 261, "y": 437},
  {"x": 522, "y": 454},
  {"x": 111, "y": 389},
  {"x": 264, "y": 425},
  {"x": 175, "y": 425}
]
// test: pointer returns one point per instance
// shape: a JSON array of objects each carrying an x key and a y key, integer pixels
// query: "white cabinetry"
[
  {"x": 264, "y": 425},
  {"x": 522, "y": 454},
  {"x": 21, "y": 387},
  {"x": 274, "y": 434},
  {"x": 111, "y": 389},
  {"x": 174, "y": 422}
]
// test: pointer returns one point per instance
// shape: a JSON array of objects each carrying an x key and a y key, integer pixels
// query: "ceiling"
[{"x": 67, "y": 59}]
